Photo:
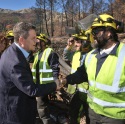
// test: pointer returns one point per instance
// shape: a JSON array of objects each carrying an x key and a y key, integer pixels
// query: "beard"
[{"x": 100, "y": 41}]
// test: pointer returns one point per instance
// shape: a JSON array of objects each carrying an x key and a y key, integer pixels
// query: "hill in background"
[{"x": 10, "y": 17}]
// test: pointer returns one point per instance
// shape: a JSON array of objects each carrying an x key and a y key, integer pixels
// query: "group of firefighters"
[{"x": 97, "y": 79}]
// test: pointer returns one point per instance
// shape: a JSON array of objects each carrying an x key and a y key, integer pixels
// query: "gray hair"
[{"x": 22, "y": 29}]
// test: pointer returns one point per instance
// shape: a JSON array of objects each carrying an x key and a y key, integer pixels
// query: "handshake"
[{"x": 60, "y": 83}]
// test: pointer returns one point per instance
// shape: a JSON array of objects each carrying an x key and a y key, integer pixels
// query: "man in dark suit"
[{"x": 17, "y": 89}]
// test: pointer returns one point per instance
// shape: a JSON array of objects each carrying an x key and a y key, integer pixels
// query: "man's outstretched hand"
[
  {"x": 63, "y": 81},
  {"x": 60, "y": 83}
]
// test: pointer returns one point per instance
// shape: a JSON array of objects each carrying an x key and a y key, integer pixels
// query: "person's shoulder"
[
  {"x": 54, "y": 53},
  {"x": 15, "y": 54}
]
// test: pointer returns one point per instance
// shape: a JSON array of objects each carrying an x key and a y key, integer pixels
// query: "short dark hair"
[{"x": 77, "y": 39}]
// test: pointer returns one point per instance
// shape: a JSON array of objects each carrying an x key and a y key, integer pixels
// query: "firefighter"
[
  {"x": 104, "y": 70},
  {"x": 45, "y": 69},
  {"x": 79, "y": 92},
  {"x": 10, "y": 37}
]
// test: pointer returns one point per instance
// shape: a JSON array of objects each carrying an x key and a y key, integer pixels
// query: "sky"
[{"x": 16, "y": 4}]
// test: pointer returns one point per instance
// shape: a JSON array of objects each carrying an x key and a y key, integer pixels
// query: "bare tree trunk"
[
  {"x": 46, "y": 18},
  {"x": 65, "y": 13},
  {"x": 93, "y": 6},
  {"x": 51, "y": 14},
  {"x": 72, "y": 16},
  {"x": 79, "y": 10},
  {"x": 62, "y": 24},
  {"x": 111, "y": 6}
]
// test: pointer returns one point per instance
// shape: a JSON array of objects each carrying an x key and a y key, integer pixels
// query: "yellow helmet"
[
  {"x": 89, "y": 35},
  {"x": 42, "y": 37},
  {"x": 10, "y": 34},
  {"x": 86, "y": 45},
  {"x": 81, "y": 35},
  {"x": 104, "y": 20}
]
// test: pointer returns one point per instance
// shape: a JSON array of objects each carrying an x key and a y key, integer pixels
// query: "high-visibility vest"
[
  {"x": 45, "y": 72},
  {"x": 106, "y": 95},
  {"x": 75, "y": 64}
]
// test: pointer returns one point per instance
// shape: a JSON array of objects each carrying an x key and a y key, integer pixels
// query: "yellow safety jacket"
[
  {"x": 106, "y": 95},
  {"x": 45, "y": 71},
  {"x": 75, "y": 64}
]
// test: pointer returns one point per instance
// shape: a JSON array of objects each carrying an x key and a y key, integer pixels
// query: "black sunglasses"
[{"x": 95, "y": 31}]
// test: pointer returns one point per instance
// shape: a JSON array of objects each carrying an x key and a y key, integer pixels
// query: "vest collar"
[{"x": 113, "y": 52}]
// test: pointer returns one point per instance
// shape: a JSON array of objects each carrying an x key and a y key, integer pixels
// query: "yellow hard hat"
[
  {"x": 81, "y": 35},
  {"x": 10, "y": 34},
  {"x": 89, "y": 35},
  {"x": 86, "y": 45},
  {"x": 104, "y": 20},
  {"x": 42, "y": 37}
]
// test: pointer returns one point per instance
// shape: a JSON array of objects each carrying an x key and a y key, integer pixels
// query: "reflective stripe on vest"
[
  {"x": 106, "y": 94},
  {"x": 72, "y": 71},
  {"x": 115, "y": 85},
  {"x": 114, "y": 88},
  {"x": 90, "y": 57},
  {"x": 83, "y": 87},
  {"x": 82, "y": 90},
  {"x": 108, "y": 104},
  {"x": 44, "y": 70},
  {"x": 75, "y": 64},
  {"x": 82, "y": 60}
]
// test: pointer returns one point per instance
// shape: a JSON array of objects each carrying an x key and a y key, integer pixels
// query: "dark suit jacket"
[{"x": 17, "y": 89}]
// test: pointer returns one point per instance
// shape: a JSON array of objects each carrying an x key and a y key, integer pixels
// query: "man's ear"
[{"x": 21, "y": 41}]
